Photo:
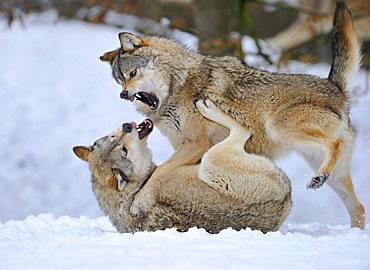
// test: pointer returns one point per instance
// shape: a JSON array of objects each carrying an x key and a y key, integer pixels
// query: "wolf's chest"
[
  {"x": 171, "y": 118},
  {"x": 169, "y": 122}
]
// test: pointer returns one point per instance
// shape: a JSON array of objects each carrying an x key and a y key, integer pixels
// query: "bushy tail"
[{"x": 346, "y": 48}]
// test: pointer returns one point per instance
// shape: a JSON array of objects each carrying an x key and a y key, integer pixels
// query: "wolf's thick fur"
[
  {"x": 240, "y": 190},
  {"x": 284, "y": 112}
]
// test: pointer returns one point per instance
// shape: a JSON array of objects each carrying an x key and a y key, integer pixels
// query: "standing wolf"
[{"x": 284, "y": 112}]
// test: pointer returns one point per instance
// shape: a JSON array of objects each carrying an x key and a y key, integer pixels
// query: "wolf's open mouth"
[
  {"x": 145, "y": 128},
  {"x": 147, "y": 99}
]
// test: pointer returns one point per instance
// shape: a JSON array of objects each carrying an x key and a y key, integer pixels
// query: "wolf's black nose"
[
  {"x": 126, "y": 127},
  {"x": 124, "y": 95}
]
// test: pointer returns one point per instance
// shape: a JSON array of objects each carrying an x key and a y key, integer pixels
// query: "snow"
[
  {"x": 55, "y": 94},
  {"x": 43, "y": 242}
]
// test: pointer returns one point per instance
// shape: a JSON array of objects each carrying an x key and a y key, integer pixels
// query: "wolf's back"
[{"x": 346, "y": 48}]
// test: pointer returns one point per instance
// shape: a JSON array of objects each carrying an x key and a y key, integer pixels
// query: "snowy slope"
[{"x": 55, "y": 94}]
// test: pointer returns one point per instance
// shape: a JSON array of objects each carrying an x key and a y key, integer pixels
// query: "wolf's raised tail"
[{"x": 346, "y": 48}]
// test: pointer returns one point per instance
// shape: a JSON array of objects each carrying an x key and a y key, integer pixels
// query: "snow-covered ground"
[
  {"x": 55, "y": 94},
  {"x": 68, "y": 243}
]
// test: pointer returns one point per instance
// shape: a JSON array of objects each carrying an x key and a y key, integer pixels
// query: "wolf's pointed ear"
[
  {"x": 129, "y": 42},
  {"x": 82, "y": 152},
  {"x": 108, "y": 56}
]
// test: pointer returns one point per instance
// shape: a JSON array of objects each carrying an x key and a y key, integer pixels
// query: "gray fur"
[
  {"x": 284, "y": 112},
  {"x": 210, "y": 195}
]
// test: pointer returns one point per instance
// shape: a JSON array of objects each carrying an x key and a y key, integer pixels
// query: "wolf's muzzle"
[
  {"x": 127, "y": 127},
  {"x": 124, "y": 95}
]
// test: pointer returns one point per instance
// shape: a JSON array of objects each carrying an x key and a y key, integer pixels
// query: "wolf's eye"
[
  {"x": 133, "y": 73},
  {"x": 124, "y": 150}
]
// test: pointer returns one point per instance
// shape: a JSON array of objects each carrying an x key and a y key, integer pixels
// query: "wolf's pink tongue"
[
  {"x": 133, "y": 124},
  {"x": 132, "y": 98}
]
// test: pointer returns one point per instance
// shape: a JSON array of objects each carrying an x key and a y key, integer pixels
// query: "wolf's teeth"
[
  {"x": 120, "y": 182},
  {"x": 137, "y": 96},
  {"x": 139, "y": 129},
  {"x": 148, "y": 122}
]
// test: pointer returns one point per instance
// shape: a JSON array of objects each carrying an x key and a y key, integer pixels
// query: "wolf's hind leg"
[
  {"x": 215, "y": 168},
  {"x": 223, "y": 166},
  {"x": 230, "y": 170},
  {"x": 343, "y": 187},
  {"x": 340, "y": 181},
  {"x": 331, "y": 147}
]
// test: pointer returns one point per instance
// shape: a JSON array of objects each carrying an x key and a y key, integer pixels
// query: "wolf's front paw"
[
  {"x": 317, "y": 181},
  {"x": 142, "y": 202}
]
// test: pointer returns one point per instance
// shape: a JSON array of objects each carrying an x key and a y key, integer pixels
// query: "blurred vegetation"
[{"x": 219, "y": 24}]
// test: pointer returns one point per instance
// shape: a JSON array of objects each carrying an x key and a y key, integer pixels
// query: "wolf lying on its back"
[
  {"x": 242, "y": 191},
  {"x": 284, "y": 112}
]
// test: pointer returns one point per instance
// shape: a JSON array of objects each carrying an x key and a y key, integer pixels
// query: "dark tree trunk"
[{"x": 214, "y": 21}]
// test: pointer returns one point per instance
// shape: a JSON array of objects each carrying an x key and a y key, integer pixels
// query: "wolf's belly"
[{"x": 261, "y": 144}]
